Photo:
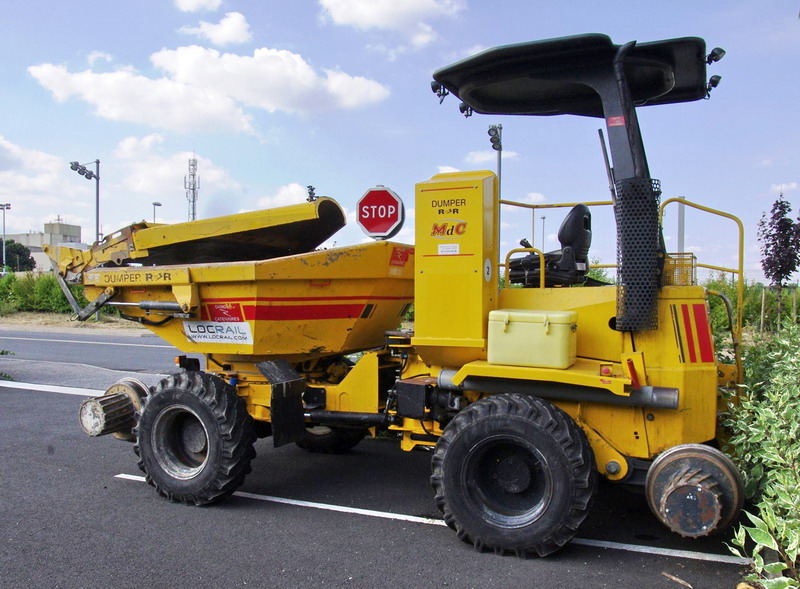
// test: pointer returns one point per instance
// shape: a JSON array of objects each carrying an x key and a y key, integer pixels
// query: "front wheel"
[
  {"x": 195, "y": 438},
  {"x": 513, "y": 473}
]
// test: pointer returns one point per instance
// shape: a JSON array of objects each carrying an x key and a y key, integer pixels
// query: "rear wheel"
[
  {"x": 195, "y": 438},
  {"x": 331, "y": 440},
  {"x": 514, "y": 473}
]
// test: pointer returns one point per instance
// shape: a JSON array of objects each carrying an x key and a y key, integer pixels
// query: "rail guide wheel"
[
  {"x": 114, "y": 412},
  {"x": 695, "y": 490}
]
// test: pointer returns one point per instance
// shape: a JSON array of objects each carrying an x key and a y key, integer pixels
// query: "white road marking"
[
  {"x": 721, "y": 558},
  {"x": 46, "y": 388},
  {"x": 663, "y": 551},
  {"x": 70, "y": 341}
]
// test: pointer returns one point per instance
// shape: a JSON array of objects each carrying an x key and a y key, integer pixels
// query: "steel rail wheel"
[
  {"x": 194, "y": 438},
  {"x": 513, "y": 473}
]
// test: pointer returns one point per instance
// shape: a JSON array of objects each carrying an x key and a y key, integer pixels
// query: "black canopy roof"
[{"x": 556, "y": 76}]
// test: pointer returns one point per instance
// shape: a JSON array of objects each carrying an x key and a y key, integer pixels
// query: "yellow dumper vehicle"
[{"x": 527, "y": 380}]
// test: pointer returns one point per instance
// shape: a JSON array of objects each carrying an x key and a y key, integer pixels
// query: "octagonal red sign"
[{"x": 380, "y": 213}]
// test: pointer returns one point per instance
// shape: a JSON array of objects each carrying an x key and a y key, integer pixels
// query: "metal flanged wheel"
[
  {"x": 195, "y": 438},
  {"x": 514, "y": 473},
  {"x": 695, "y": 490},
  {"x": 136, "y": 391}
]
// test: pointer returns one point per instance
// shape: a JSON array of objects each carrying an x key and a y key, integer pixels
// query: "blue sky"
[{"x": 273, "y": 96}]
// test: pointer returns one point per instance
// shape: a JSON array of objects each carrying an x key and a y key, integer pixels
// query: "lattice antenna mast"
[{"x": 192, "y": 185}]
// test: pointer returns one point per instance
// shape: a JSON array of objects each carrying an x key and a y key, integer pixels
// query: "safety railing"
[{"x": 738, "y": 271}]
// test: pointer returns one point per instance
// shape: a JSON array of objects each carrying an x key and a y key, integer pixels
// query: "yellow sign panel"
[{"x": 137, "y": 276}]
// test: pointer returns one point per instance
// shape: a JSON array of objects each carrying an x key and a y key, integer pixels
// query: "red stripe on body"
[
  {"x": 703, "y": 333},
  {"x": 687, "y": 326},
  {"x": 300, "y": 312},
  {"x": 304, "y": 299}
]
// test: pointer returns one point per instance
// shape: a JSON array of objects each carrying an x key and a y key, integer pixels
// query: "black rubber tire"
[
  {"x": 331, "y": 440},
  {"x": 194, "y": 438},
  {"x": 513, "y": 473}
]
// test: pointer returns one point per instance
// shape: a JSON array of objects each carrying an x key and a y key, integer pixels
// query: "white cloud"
[
  {"x": 446, "y": 169},
  {"x": 786, "y": 187},
  {"x": 37, "y": 185},
  {"x": 145, "y": 171},
  {"x": 205, "y": 90},
  {"x": 271, "y": 79},
  {"x": 407, "y": 17},
  {"x": 233, "y": 28},
  {"x": 290, "y": 194},
  {"x": 163, "y": 103},
  {"x": 197, "y": 5},
  {"x": 96, "y": 56},
  {"x": 483, "y": 157},
  {"x": 534, "y": 198}
]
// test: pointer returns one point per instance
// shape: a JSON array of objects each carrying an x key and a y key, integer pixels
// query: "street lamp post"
[
  {"x": 496, "y": 139},
  {"x": 543, "y": 234},
  {"x": 4, "y": 206},
  {"x": 155, "y": 204},
  {"x": 89, "y": 175}
]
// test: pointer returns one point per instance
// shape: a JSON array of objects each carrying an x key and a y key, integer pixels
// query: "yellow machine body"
[{"x": 315, "y": 308}]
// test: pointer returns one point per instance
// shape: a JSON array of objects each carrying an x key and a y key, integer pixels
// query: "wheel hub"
[
  {"x": 513, "y": 475},
  {"x": 181, "y": 442},
  {"x": 194, "y": 437}
]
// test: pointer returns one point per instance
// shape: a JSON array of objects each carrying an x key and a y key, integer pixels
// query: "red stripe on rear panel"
[
  {"x": 703, "y": 333},
  {"x": 687, "y": 326}
]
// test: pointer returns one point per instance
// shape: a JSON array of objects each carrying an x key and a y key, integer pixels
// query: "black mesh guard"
[{"x": 636, "y": 211}]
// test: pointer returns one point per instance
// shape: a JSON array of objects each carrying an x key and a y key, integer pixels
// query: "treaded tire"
[
  {"x": 331, "y": 440},
  {"x": 513, "y": 473},
  {"x": 194, "y": 438}
]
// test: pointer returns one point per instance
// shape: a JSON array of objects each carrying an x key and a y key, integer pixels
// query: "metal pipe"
[
  {"x": 150, "y": 305},
  {"x": 647, "y": 396},
  {"x": 348, "y": 418}
]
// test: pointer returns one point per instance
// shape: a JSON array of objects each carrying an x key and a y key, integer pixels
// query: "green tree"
[
  {"x": 18, "y": 257},
  {"x": 780, "y": 245}
]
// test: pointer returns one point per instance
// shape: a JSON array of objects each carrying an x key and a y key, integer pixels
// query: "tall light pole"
[
  {"x": 155, "y": 204},
  {"x": 543, "y": 218},
  {"x": 5, "y": 207},
  {"x": 89, "y": 175},
  {"x": 496, "y": 139}
]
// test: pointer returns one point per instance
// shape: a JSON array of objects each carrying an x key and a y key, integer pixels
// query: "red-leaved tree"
[{"x": 780, "y": 245}]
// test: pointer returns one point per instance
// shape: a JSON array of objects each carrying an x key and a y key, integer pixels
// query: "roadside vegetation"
[
  {"x": 26, "y": 292},
  {"x": 765, "y": 440}
]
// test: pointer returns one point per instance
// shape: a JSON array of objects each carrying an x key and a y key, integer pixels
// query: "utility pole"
[
  {"x": 4, "y": 207},
  {"x": 192, "y": 185}
]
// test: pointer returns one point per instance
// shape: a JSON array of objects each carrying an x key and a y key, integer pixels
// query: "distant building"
[{"x": 53, "y": 234}]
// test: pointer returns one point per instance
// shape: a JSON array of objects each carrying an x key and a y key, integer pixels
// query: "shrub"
[
  {"x": 765, "y": 439},
  {"x": 22, "y": 292},
  {"x": 47, "y": 295}
]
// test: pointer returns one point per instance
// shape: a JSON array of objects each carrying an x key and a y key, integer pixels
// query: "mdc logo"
[{"x": 444, "y": 230}]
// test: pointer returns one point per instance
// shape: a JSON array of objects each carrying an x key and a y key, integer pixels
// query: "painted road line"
[
  {"x": 721, "y": 558},
  {"x": 70, "y": 341},
  {"x": 663, "y": 551},
  {"x": 46, "y": 388}
]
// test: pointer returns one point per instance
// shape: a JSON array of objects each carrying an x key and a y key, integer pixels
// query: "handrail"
[
  {"x": 739, "y": 272},
  {"x": 560, "y": 205},
  {"x": 533, "y": 250}
]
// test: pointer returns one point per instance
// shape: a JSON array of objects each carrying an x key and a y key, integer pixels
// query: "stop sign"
[{"x": 380, "y": 213}]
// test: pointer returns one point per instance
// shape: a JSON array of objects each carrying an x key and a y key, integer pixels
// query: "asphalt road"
[{"x": 67, "y": 520}]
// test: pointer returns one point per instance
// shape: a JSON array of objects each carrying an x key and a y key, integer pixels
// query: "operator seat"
[{"x": 563, "y": 267}]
